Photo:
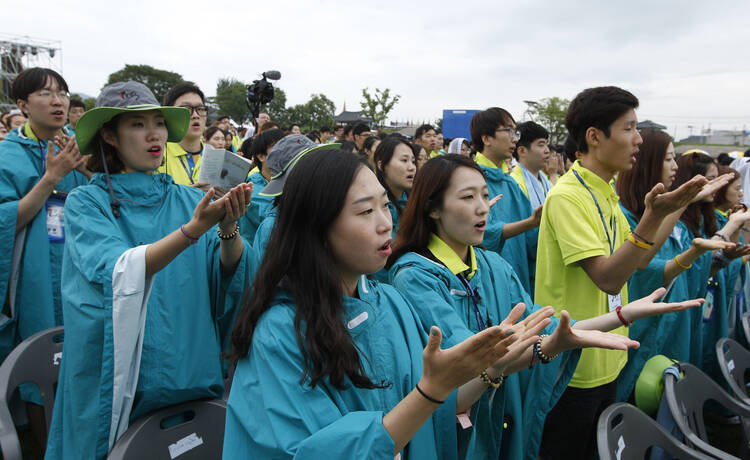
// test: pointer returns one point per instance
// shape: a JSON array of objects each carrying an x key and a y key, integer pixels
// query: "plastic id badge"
[
  {"x": 614, "y": 301},
  {"x": 708, "y": 305},
  {"x": 55, "y": 210}
]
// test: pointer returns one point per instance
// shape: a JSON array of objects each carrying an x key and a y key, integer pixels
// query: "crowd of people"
[{"x": 362, "y": 294}]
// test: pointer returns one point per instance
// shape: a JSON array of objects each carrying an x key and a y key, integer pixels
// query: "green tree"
[
  {"x": 378, "y": 105},
  {"x": 276, "y": 109},
  {"x": 230, "y": 97},
  {"x": 319, "y": 111},
  {"x": 550, "y": 113},
  {"x": 157, "y": 80}
]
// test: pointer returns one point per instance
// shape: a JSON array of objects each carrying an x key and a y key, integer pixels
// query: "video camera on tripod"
[{"x": 261, "y": 91}]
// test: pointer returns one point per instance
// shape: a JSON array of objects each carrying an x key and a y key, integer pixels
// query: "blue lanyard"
[
  {"x": 601, "y": 215},
  {"x": 473, "y": 295},
  {"x": 44, "y": 156},
  {"x": 191, "y": 165}
]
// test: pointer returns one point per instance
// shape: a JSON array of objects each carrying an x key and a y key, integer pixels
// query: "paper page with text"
[{"x": 222, "y": 168}]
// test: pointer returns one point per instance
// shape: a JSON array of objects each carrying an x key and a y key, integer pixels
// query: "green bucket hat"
[
  {"x": 125, "y": 97},
  {"x": 650, "y": 384}
]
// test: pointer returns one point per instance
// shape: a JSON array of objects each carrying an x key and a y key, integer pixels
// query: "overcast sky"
[{"x": 687, "y": 62}]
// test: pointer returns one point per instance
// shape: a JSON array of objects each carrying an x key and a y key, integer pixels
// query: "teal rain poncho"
[
  {"x": 186, "y": 324},
  {"x": 271, "y": 415},
  {"x": 669, "y": 334},
  {"x": 38, "y": 254},
  {"x": 519, "y": 251},
  {"x": 258, "y": 208},
  {"x": 717, "y": 310},
  {"x": 508, "y": 422}
]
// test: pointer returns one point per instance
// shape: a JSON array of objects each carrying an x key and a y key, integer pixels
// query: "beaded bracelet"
[
  {"x": 228, "y": 236},
  {"x": 494, "y": 383},
  {"x": 537, "y": 350}
]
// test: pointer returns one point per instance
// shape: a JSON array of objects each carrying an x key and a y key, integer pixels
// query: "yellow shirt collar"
[
  {"x": 449, "y": 258},
  {"x": 482, "y": 160},
  {"x": 28, "y": 132},
  {"x": 723, "y": 213}
]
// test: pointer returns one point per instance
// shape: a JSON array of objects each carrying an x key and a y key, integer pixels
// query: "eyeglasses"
[
  {"x": 47, "y": 94},
  {"x": 201, "y": 110},
  {"x": 513, "y": 133}
]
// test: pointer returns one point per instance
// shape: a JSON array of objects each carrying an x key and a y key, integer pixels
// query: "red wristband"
[{"x": 622, "y": 318}]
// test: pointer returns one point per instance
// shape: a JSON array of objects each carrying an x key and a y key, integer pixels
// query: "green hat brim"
[{"x": 176, "y": 118}]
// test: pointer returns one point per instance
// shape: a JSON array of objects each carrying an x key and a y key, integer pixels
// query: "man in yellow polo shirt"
[
  {"x": 182, "y": 160},
  {"x": 586, "y": 254}
]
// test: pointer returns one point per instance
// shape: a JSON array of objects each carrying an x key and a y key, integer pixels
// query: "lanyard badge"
[
  {"x": 481, "y": 324},
  {"x": 614, "y": 301},
  {"x": 55, "y": 213}
]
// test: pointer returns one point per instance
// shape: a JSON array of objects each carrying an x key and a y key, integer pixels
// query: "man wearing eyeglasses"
[
  {"x": 182, "y": 159},
  {"x": 511, "y": 229},
  {"x": 39, "y": 168}
]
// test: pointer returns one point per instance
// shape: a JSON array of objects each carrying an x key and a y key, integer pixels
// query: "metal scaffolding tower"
[{"x": 18, "y": 52}]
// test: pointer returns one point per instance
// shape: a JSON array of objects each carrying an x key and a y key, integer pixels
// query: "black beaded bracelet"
[
  {"x": 494, "y": 383},
  {"x": 429, "y": 398},
  {"x": 228, "y": 236},
  {"x": 537, "y": 350}
]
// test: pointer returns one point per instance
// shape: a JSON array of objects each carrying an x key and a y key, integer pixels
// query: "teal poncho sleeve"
[{"x": 259, "y": 206}]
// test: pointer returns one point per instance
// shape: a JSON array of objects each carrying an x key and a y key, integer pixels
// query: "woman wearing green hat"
[{"x": 141, "y": 332}]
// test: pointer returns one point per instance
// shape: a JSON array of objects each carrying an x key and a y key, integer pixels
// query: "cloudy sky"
[{"x": 688, "y": 62}]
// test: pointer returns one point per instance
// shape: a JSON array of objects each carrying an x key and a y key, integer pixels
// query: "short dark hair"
[
  {"x": 570, "y": 148},
  {"x": 347, "y": 129},
  {"x": 179, "y": 89},
  {"x": 360, "y": 128},
  {"x": 34, "y": 79},
  {"x": 597, "y": 107},
  {"x": 367, "y": 144},
  {"x": 325, "y": 129},
  {"x": 486, "y": 122},
  {"x": 221, "y": 117},
  {"x": 261, "y": 142},
  {"x": 423, "y": 129},
  {"x": 530, "y": 132},
  {"x": 725, "y": 160},
  {"x": 77, "y": 103}
]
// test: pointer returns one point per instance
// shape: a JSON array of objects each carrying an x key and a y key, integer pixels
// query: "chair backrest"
[
  {"x": 686, "y": 398},
  {"x": 625, "y": 432},
  {"x": 197, "y": 433},
  {"x": 36, "y": 359},
  {"x": 734, "y": 362}
]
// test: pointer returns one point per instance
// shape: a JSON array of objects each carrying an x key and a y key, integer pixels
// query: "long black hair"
[
  {"x": 298, "y": 258},
  {"x": 383, "y": 154}
]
